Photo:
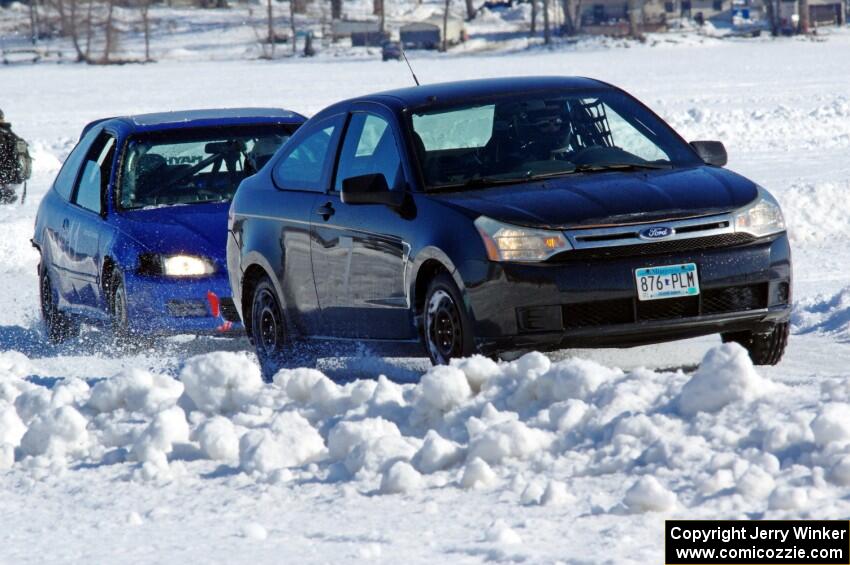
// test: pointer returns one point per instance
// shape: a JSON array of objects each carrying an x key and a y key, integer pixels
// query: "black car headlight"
[
  {"x": 176, "y": 265},
  {"x": 506, "y": 242},
  {"x": 761, "y": 218}
]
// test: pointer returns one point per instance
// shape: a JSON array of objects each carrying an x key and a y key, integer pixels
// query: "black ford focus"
[{"x": 499, "y": 216}]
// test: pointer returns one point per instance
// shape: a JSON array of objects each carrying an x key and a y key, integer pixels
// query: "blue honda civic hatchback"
[{"x": 132, "y": 233}]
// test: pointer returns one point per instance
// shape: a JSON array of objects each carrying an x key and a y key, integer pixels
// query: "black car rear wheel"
[
  {"x": 447, "y": 333},
  {"x": 764, "y": 348},
  {"x": 268, "y": 329},
  {"x": 58, "y": 326}
]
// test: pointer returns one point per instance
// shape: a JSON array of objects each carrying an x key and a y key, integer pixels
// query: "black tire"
[
  {"x": 118, "y": 316},
  {"x": 447, "y": 327},
  {"x": 268, "y": 329},
  {"x": 58, "y": 326},
  {"x": 764, "y": 348}
]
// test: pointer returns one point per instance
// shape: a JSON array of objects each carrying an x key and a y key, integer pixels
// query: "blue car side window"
[
  {"x": 64, "y": 183},
  {"x": 94, "y": 179}
]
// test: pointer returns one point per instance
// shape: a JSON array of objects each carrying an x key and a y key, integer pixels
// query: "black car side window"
[
  {"x": 370, "y": 148},
  {"x": 64, "y": 183},
  {"x": 94, "y": 177},
  {"x": 303, "y": 165}
]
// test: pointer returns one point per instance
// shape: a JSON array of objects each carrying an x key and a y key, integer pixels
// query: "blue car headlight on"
[
  {"x": 175, "y": 265},
  {"x": 761, "y": 218}
]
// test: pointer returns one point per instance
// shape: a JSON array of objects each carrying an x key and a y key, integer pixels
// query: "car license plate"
[{"x": 670, "y": 281}]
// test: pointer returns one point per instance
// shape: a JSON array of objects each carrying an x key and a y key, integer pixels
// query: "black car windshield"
[
  {"x": 195, "y": 166},
  {"x": 541, "y": 134}
]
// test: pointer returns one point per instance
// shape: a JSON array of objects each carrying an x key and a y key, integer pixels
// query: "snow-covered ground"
[{"x": 178, "y": 452}]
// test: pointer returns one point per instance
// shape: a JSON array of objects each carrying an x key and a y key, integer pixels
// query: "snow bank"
[
  {"x": 526, "y": 430},
  {"x": 823, "y": 314}
]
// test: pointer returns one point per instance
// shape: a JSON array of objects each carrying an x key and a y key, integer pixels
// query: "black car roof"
[{"x": 447, "y": 92}]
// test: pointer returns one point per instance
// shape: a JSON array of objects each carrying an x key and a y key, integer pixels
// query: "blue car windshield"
[
  {"x": 518, "y": 138},
  {"x": 194, "y": 166}
]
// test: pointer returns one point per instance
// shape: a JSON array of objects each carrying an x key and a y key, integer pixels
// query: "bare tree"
[
  {"x": 109, "y": 31},
  {"x": 299, "y": 6},
  {"x": 572, "y": 16},
  {"x": 271, "y": 36},
  {"x": 336, "y": 9},
  {"x": 772, "y": 14},
  {"x": 635, "y": 8},
  {"x": 446, "y": 26},
  {"x": 144, "y": 8},
  {"x": 292, "y": 26},
  {"x": 34, "y": 27},
  {"x": 470, "y": 9},
  {"x": 803, "y": 8},
  {"x": 533, "y": 29},
  {"x": 547, "y": 33}
]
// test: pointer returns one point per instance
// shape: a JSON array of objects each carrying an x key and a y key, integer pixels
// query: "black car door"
[
  {"x": 301, "y": 173},
  {"x": 360, "y": 252},
  {"x": 87, "y": 228}
]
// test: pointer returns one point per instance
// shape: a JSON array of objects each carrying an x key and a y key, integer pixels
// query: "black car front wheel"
[
  {"x": 58, "y": 326},
  {"x": 764, "y": 348},
  {"x": 447, "y": 332},
  {"x": 268, "y": 329}
]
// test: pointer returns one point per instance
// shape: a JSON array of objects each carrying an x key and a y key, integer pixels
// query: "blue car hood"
[
  {"x": 198, "y": 229},
  {"x": 610, "y": 197}
]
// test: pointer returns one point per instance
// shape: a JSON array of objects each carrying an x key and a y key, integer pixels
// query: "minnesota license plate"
[{"x": 670, "y": 281}]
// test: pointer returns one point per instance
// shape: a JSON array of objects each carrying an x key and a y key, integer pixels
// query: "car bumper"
[
  {"x": 161, "y": 306},
  {"x": 593, "y": 303}
]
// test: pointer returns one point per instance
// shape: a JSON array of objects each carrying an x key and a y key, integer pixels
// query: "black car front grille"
[
  {"x": 601, "y": 313},
  {"x": 630, "y": 310},
  {"x": 655, "y": 248}
]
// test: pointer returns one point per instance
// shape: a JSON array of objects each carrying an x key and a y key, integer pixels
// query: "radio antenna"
[{"x": 404, "y": 56}]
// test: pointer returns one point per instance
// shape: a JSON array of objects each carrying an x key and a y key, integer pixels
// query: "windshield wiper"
[{"x": 593, "y": 167}]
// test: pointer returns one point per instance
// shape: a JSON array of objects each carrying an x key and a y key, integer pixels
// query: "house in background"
[{"x": 428, "y": 33}]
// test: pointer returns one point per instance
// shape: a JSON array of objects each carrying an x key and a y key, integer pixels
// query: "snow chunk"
[
  {"x": 218, "y": 439},
  {"x": 648, "y": 495},
  {"x": 136, "y": 390},
  {"x": 7, "y": 456},
  {"x": 56, "y": 433},
  {"x": 507, "y": 439},
  {"x": 298, "y": 383},
  {"x": 437, "y": 453},
  {"x": 376, "y": 454},
  {"x": 477, "y": 475},
  {"x": 290, "y": 441},
  {"x": 556, "y": 494},
  {"x": 478, "y": 370},
  {"x": 14, "y": 365},
  {"x": 12, "y": 429},
  {"x": 788, "y": 498},
  {"x": 832, "y": 425},
  {"x": 500, "y": 533},
  {"x": 254, "y": 531},
  {"x": 755, "y": 483},
  {"x": 221, "y": 382},
  {"x": 840, "y": 471},
  {"x": 444, "y": 388},
  {"x": 157, "y": 441},
  {"x": 401, "y": 478},
  {"x": 726, "y": 375},
  {"x": 573, "y": 378},
  {"x": 346, "y": 435}
]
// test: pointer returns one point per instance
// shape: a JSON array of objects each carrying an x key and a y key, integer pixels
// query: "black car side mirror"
[
  {"x": 711, "y": 152},
  {"x": 370, "y": 189}
]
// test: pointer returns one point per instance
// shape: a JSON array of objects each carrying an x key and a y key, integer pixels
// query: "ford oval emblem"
[{"x": 656, "y": 232}]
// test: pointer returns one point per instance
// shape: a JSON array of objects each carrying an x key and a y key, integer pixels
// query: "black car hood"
[{"x": 609, "y": 197}]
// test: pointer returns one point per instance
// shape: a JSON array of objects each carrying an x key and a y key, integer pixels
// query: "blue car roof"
[{"x": 161, "y": 121}]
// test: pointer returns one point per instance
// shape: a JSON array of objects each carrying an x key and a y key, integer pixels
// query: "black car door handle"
[
  {"x": 65, "y": 224},
  {"x": 326, "y": 211}
]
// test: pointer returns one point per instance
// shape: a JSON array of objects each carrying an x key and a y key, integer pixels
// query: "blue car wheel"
[{"x": 58, "y": 326}]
